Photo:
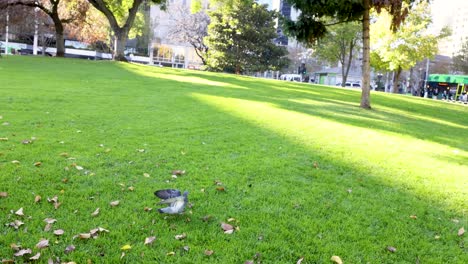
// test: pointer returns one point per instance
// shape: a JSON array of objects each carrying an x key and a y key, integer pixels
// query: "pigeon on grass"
[{"x": 174, "y": 198}]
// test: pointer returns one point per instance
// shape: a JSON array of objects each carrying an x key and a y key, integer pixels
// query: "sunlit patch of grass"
[{"x": 304, "y": 171}]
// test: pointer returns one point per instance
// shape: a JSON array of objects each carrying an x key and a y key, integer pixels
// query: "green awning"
[{"x": 448, "y": 78}]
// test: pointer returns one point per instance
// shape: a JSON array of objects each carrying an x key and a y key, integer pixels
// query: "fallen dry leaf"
[
  {"x": 299, "y": 261},
  {"x": 37, "y": 198},
  {"x": 37, "y": 164},
  {"x": 3, "y": 194},
  {"x": 146, "y": 175},
  {"x": 391, "y": 249},
  {"x": 43, "y": 243},
  {"x": 96, "y": 212},
  {"x": 209, "y": 252},
  {"x": 48, "y": 227},
  {"x": 79, "y": 167},
  {"x": 147, "y": 209},
  {"x": 16, "y": 224},
  {"x": 50, "y": 220},
  {"x": 220, "y": 189},
  {"x": 84, "y": 235},
  {"x": 26, "y": 141},
  {"x": 336, "y": 259},
  {"x": 181, "y": 236},
  {"x": 8, "y": 261},
  {"x": 178, "y": 172},
  {"x": 461, "y": 231},
  {"x": 436, "y": 237},
  {"x": 126, "y": 247},
  {"x": 114, "y": 203},
  {"x": 15, "y": 247},
  {"x": 59, "y": 232},
  {"x": 3, "y": 139},
  {"x": 69, "y": 249},
  {"x": 20, "y": 212},
  {"x": 15, "y": 162},
  {"x": 227, "y": 227},
  {"x": 131, "y": 188},
  {"x": 315, "y": 165},
  {"x": 23, "y": 252},
  {"x": 231, "y": 220},
  {"x": 53, "y": 200},
  {"x": 413, "y": 217},
  {"x": 172, "y": 253},
  {"x": 57, "y": 205},
  {"x": 150, "y": 240},
  {"x": 123, "y": 255},
  {"x": 35, "y": 257},
  {"x": 187, "y": 248},
  {"x": 64, "y": 154}
]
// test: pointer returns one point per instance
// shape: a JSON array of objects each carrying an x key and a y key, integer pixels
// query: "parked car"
[{"x": 350, "y": 84}]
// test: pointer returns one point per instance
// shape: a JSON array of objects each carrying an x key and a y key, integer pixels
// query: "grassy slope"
[{"x": 259, "y": 138}]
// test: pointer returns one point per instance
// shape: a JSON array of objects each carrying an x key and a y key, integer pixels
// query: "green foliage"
[
  {"x": 258, "y": 138},
  {"x": 240, "y": 39},
  {"x": 405, "y": 47},
  {"x": 336, "y": 43},
  {"x": 460, "y": 61}
]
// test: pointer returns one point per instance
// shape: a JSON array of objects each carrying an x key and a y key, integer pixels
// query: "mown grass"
[{"x": 305, "y": 171}]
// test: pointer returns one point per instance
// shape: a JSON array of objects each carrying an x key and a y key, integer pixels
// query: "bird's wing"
[
  {"x": 167, "y": 193},
  {"x": 172, "y": 200}
]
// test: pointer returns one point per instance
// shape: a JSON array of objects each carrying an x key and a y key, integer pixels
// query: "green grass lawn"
[{"x": 300, "y": 170}]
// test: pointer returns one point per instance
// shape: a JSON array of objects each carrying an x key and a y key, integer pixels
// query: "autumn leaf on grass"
[
  {"x": 336, "y": 259},
  {"x": 209, "y": 252},
  {"x": 126, "y": 247},
  {"x": 461, "y": 231},
  {"x": 50, "y": 220},
  {"x": 26, "y": 141},
  {"x": 178, "y": 172},
  {"x": 8, "y": 261},
  {"x": 37, "y": 164},
  {"x": 35, "y": 257},
  {"x": 15, "y": 247},
  {"x": 391, "y": 249},
  {"x": 83, "y": 236},
  {"x": 47, "y": 228},
  {"x": 150, "y": 240},
  {"x": 181, "y": 236},
  {"x": 96, "y": 212},
  {"x": 37, "y": 198},
  {"x": 299, "y": 261},
  {"x": 3, "y": 194},
  {"x": 228, "y": 229},
  {"x": 114, "y": 203},
  {"x": 53, "y": 200},
  {"x": 69, "y": 249},
  {"x": 146, "y": 175},
  {"x": 43, "y": 243},
  {"x": 16, "y": 224},
  {"x": 23, "y": 252},
  {"x": 59, "y": 232},
  {"x": 20, "y": 212},
  {"x": 413, "y": 217}
]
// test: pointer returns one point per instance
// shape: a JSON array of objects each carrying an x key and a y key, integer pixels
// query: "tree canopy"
[
  {"x": 240, "y": 39},
  {"x": 314, "y": 17},
  {"x": 460, "y": 60},
  {"x": 121, "y": 15},
  {"x": 401, "y": 50},
  {"x": 340, "y": 44}
]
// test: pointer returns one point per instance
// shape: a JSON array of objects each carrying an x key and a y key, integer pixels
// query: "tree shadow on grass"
[{"x": 434, "y": 124}]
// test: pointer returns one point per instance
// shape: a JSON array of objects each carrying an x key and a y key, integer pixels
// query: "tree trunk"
[
  {"x": 396, "y": 79},
  {"x": 59, "y": 38},
  {"x": 120, "y": 41},
  {"x": 365, "y": 95}
]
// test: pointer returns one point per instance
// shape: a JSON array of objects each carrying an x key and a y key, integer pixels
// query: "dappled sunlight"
[
  {"x": 161, "y": 73},
  {"x": 375, "y": 153}
]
